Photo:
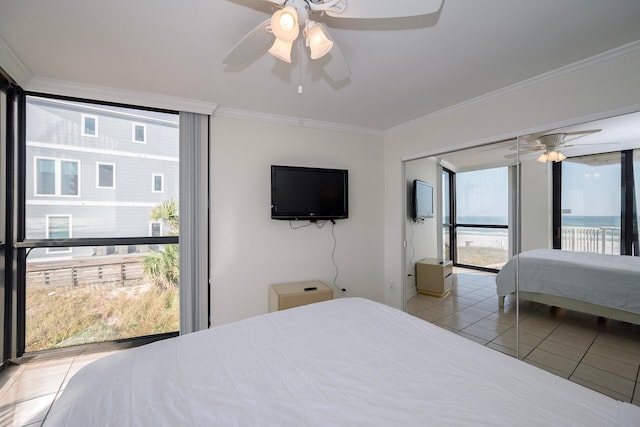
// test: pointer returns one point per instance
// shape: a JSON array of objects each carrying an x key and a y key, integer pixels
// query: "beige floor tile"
[
  {"x": 582, "y": 342},
  {"x": 453, "y": 322},
  {"x": 430, "y": 315},
  {"x": 553, "y": 361},
  {"x": 28, "y": 412},
  {"x": 481, "y": 332},
  {"x": 611, "y": 365},
  {"x": 494, "y": 325},
  {"x": 605, "y": 379},
  {"x": 22, "y": 391},
  {"x": 563, "y": 350}
]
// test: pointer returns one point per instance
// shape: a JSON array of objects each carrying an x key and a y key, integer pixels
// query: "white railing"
[{"x": 604, "y": 240}]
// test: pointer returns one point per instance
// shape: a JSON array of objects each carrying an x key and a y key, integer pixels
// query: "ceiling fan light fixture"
[
  {"x": 284, "y": 24},
  {"x": 544, "y": 157},
  {"x": 281, "y": 50},
  {"x": 318, "y": 42}
]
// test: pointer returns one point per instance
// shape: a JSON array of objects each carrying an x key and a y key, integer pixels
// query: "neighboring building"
[{"x": 96, "y": 171}]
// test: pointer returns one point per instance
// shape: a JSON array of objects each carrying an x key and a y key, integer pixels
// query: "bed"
[
  {"x": 347, "y": 361},
  {"x": 598, "y": 284}
]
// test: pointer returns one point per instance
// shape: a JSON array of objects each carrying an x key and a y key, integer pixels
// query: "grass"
[{"x": 65, "y": 316}]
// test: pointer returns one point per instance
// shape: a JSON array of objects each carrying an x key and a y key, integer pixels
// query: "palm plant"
[{"x": 162, "y": 266}]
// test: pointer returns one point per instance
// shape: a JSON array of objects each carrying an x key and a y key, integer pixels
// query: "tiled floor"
[
  {"x": 29, "y": 389},
  {"x": 604, "y": 357}
]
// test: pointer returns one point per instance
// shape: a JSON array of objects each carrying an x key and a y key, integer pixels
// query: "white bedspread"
[
  {"x": 345, "y": 362},
  {"x": 608, "y": 280}
]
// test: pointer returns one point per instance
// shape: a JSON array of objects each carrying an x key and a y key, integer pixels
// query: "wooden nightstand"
[
  {"x": 434, "y": 277},
  {"x": 288, "y": 295}
]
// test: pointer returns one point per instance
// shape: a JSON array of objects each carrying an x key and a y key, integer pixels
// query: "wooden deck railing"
[{"x": 114, "y": 270}]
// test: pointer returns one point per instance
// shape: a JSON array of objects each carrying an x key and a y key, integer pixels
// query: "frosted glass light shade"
[
  {"x": 543, "y": 158},
  {"x": 281, "y": 50},
  {"x": 319, "y": 43},
  {"x": 284, "y": 24}
]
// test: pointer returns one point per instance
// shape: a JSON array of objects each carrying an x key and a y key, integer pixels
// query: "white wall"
[
  {"x": 250, "y": 251},
  {"x": 574, "y": 96},
  {"x": 422, "y": 238},
  {"x": 535, "y": 205}
]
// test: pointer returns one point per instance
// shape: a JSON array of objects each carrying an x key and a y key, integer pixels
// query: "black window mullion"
[
  {"x": 628, "y": 233},
  {"x": 556, "y": 222}
]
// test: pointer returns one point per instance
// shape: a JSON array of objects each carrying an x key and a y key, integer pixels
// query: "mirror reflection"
[{"x": 540, "y": 234}]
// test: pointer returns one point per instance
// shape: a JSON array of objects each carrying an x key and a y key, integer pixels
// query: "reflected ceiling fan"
[
  {"x": 550, "y": 145},
  {"x": 295, "y": 18}
]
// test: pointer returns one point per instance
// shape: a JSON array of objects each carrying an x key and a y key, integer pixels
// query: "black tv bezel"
[
  {"x": 414, "y": 204},
  {"x": 300, "y": 216}
]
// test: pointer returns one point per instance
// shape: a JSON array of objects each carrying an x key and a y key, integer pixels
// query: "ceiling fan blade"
[
  {"x": 278, "y": 2},
  {"x": 251, "y": 46},
  {"x": 337, "y": 67},
  {"x": 375, "y": 9}
]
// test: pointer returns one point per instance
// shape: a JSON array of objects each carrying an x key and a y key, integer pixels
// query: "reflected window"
[{"x": 157, "y": 183}]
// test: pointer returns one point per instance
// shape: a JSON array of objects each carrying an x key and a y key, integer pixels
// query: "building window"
[
  {"x": 89, "y": 125},
  {"x": 157, "y": 183},
  {"x": 155, "y": 228},
  {"x": 56, "y": 177},
  {"x": 106, "y": 175},
  {"x": 139, "y": 132},
  {"x": 58, "y": 227}
]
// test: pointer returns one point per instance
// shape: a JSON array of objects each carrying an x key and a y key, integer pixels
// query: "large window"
[
  {"x": 482, "y": 211},
  {"x": 595, "y": 203},
  {"x": 102, "y": 265}
]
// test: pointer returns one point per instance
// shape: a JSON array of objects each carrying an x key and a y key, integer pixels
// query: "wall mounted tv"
[
  {"x": 422, "y": 200},
  {"x": 301, "y": 193}
]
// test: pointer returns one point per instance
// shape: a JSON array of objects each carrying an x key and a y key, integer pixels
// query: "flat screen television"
[
  {"x": 302, "y": 193},
  {"x": 422, "y": 200}
]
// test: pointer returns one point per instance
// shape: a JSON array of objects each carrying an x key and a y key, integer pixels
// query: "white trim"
[
  {"x": 612, "y": 55},
  {"x": 113, "y": 183},
  {"x": 294, "y": 121},
  {"x": 93, "y": 203},
  {"x": 80, "y": 149},
  {"x": 122, "y": 96},
  {"x": 133, "y": 133},
  {"x": 57, "y": 176},
  {"x": 83, "y": 118},
  {"x": 153, "y": 182},
  {"x": 47, "y": 231},
  {"x": 12, "y": 65}
]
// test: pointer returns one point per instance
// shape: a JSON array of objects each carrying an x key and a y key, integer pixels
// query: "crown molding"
[
  {"x": 121, "y": 96},
  {"x": 294, "y": 121},
  {"x": 12, "y": 65},
  {"x": 612, "y": 55}
]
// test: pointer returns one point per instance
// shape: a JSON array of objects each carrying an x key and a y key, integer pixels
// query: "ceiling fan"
[
  {"x": 298, "y": 17},
  {"x": 550, "y": 145}
]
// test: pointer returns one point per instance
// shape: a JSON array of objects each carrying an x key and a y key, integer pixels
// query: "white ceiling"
[{"x": 402, "y": 69}]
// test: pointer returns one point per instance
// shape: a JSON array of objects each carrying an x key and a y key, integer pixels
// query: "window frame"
[
  {"x": 113, "y": 183},
  {"x": 57, "y": 177}
]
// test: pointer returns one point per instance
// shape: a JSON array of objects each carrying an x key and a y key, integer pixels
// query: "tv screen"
[
  {"x": 301, "y": 193},
  {"x": 422, "y": 200}
]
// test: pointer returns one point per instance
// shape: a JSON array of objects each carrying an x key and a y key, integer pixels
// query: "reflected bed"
[
  {"x": 347, "y": 361},
  {"x": 598, "y": 284}
]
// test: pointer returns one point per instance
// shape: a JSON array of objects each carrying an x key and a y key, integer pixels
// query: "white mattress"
[
  {"x": 343, "y": 362},
  {"x": 607, "y": 280}
]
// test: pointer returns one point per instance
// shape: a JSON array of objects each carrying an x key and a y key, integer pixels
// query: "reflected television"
[{"x": 422, "y": 200}]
